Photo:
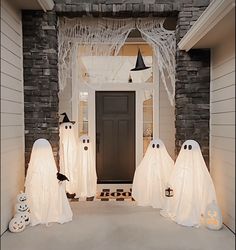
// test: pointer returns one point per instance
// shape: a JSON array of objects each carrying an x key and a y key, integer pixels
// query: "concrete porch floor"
[{"x": 114, "y": 226}]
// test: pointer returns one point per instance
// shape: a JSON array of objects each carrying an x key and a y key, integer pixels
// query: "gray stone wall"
[
  {"x": 40, "y": 79},
  {"x": 41, "y": 73},
  {"x": 192, "y": 84},
  {"x": 117, "y": 8}
]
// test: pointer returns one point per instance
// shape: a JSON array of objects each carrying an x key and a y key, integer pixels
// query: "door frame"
[{"x": 138, "y": 89}]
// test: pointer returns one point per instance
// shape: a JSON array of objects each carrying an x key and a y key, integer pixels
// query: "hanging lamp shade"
[{"x": 140, "y": 65}]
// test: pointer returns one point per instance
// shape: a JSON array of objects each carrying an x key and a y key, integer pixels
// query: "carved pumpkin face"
[
  {"x": 17, "y": 224},
  {"x": 22, "y": 197},
  {"x": 25, "y": 216},
  {"x": 22, "y": 207},
  {"x": 213, "y": 217}
]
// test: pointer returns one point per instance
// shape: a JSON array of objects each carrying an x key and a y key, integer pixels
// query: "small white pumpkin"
[
  {"x": 22, "y": 197},
  {"x": 213, "y": 216},
  {"x": 22, "y": 207},
  {"x": 25, "y": 216},
  {"x": 17, "y": 224}
]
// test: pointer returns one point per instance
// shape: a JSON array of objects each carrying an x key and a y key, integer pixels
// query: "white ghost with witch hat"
[
  {"x": 46, "y": 196},
  {"x": 68, "y": 154},
  {"x": 87, "y": 176},
  {"x": 151, "y": 176},
  {"x": 192, "y": 187}
]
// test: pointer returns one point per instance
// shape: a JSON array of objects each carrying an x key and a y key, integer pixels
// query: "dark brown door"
[{"x": 115, "y": 136}]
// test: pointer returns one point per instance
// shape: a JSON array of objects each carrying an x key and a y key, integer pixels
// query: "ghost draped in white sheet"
[
  {"x": 87, "y": 177},
  {"x": 151, "y": 176},
  {"x": 47, "y": 198},
  {"x": 69, "y": 154},
  {"x": 192, "y": 186}
]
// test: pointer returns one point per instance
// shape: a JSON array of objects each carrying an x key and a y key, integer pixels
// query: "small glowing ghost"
[
  {"x": 151, "y": 176},
  {"x": 68, "y": 154},
  {"x": 87, "y": 170},
  {"x": 46, "y": 197},
  {"x": 192, "y": 187}
]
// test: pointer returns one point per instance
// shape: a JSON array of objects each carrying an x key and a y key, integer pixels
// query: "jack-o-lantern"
[
  {"x": 213, "y": 216},
  {"x": 22, "y": 197},
  {"x": 17, "y": 224},
  {"x": 25, "y": 216},
  {"x": 22, "y": 207}
]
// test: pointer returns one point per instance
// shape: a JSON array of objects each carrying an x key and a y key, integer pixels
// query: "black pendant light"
[{"x": 140, "y": 65}]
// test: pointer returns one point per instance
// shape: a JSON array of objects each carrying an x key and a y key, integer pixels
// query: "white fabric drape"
[
  {"x": 47, "y": 198},
  {"x": 192, "y": 186},
  {"x": 105, "y": 37},
  {"x": 151, "y": 176},
  {"x": 87, "y": 177},
  {"x": 68, "y": 156}
]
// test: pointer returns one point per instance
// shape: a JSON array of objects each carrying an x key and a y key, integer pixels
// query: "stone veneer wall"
[
  {"x": 192, "y": 109},
  {"x": 40, "y": 79},
  {"x": 41, "y": 74}
]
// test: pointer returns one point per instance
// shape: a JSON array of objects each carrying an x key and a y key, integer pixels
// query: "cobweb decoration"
[
  {"x": 104, "y": 37},
  {"x": 163, "y": 43}
]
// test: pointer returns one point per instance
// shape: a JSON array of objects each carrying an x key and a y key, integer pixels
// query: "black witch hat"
[
  {"x": 66, "y": 119},
  {"x": 140, "y": 65}
]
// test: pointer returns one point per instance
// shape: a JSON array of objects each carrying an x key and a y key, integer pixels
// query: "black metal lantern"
[{"x": 169, "y": 192}]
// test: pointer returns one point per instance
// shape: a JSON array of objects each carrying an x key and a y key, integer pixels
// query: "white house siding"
[
  {"x": 12, "y": 111},
  {"x": 167, "y": 121},
  {"x": 222, "y": 138}
]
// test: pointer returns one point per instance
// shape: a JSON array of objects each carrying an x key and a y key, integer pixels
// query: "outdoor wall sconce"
[
  {"x": 169, "y": 192},
  {"x": 140, "y": 65}
]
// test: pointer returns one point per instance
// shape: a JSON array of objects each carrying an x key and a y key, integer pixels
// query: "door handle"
[{"x": 97, "y": 142}]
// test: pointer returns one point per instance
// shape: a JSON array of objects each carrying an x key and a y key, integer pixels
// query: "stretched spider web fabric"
[
  {"x": 163, "y": 43},
  {"x": 82, "y": 38}
]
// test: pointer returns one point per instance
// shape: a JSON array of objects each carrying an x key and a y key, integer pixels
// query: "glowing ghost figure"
[
  {"x": 151, "y": 176},
  {"x": 87, "y": 170},
  {"x": 46, "y": 197},
  {"x": 192, "y": 187},
  {"x": 68, "y": 154}
]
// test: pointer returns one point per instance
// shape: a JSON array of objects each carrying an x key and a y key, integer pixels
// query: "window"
[{"x": 83, "y": 113}]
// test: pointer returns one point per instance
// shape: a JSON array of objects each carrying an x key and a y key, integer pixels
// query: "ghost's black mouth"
[
  {"x": 86, "y": 148},
  {"x": 27, "y": 219}
]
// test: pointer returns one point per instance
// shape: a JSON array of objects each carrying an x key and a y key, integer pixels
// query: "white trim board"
[{"x": 213, "y": 14}]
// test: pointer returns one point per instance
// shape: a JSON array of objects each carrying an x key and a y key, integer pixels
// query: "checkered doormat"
[{"x": 109, "y": 195}]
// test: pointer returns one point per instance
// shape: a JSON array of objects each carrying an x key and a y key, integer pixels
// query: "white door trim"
[{"x": 138, "y": 89}]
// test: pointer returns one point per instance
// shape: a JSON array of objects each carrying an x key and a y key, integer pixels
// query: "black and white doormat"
[{"x": 109, "y": 195}]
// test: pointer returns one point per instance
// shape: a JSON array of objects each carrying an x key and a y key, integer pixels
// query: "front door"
[{"x": 115, "y": 136}]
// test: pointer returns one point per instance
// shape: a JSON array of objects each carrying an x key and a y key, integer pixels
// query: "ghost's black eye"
[
  {"x": 185, "y": 146},
  {"x": 66, "y": 127},
  {"x": 83, "y": 140},
  {"x": 158, "y": 145},
  {"x": 153, "y": 145},
  {"x": 189, "y": 147},
  {"x": 70, "y": 127},
  {"x": 87, "y": 141}
]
